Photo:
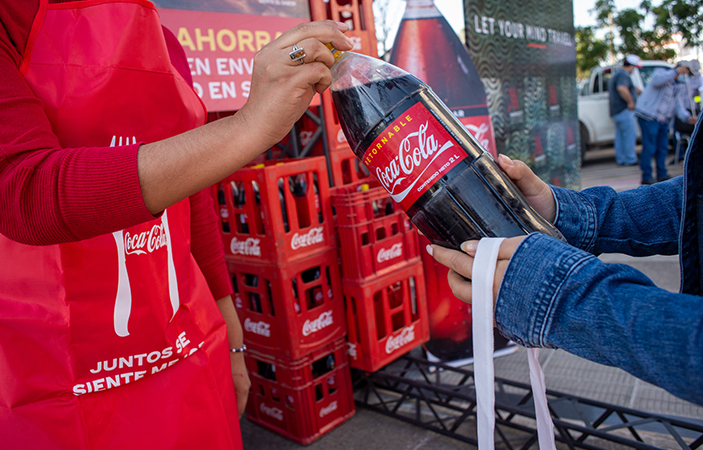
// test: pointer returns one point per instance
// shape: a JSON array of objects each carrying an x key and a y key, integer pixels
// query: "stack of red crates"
[
  {"x": 276, "y": 224},
  {"x": 298, "y": 286},
  {"x": 382, "y": 278},
  {"x": 358, "y": 15}
]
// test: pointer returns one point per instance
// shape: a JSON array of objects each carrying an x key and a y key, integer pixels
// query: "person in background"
[
  {"x": 623, "y": 94},
  {"x": 655, "y": 109},
  {"x": 687, "y": 88},
  {"x": 117, "y": 327},
  {"x": 611, "y": 314},
  {"x": 695, "y": 83}
]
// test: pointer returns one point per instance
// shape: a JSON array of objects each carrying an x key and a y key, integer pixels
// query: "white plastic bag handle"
[{"x": 483, "y": 272}]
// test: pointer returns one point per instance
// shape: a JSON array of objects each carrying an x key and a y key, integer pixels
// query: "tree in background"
[
  {"x": 384, "y": 25},
  {"x": 631, "y": 27},
  {"x": 591, "y": 51},
  {"x": 683, "y": 16}
]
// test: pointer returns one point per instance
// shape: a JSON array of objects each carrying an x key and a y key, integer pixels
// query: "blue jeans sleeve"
[
  {"x": 554, "y": 295},
  {"x": 639, "y": 222}
]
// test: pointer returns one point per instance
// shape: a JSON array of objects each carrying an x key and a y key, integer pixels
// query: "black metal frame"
[{"x": 442, "y": 398}]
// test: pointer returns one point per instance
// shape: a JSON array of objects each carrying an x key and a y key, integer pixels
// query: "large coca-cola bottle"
[
  {"x": 440, "y": 175},
  {"x": 427, "y": 47}
]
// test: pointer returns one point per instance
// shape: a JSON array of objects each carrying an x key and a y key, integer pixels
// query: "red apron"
[{"x": 115, "y": 341}]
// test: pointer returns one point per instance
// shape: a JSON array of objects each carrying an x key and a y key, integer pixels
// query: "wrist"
[{"x": 241, "y": 349}]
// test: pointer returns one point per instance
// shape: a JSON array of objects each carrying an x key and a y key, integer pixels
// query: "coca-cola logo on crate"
[
  {"x": 312, "y": 237},
  {"x": 248, "y": 247},
  {"x": 405, "y": 337},
  {"x": 272, "y": 411},
  {"x": 386, "y": 254},
  {"x": 261, "y": 328},
  {"x": 311, "y": 326},
  {"x": 328, "y": 409}
]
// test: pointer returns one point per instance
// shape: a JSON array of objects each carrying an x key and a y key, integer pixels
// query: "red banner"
[{"x": 220, "y": 47}]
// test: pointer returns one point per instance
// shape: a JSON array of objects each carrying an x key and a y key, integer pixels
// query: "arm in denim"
[
  {"x": 556, "y": 296},
  {"x": 638, "y": 222}
]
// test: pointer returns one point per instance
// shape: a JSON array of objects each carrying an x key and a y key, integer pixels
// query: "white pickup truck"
[{"x": 596, "y": 125}]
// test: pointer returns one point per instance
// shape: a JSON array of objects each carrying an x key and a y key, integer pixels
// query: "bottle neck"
[
  {"x": 421, "y": 9},
  {"x": 336, "y": 53}
]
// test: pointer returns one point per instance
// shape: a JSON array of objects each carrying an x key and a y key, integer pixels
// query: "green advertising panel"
[{"x": 525, "y": 54}]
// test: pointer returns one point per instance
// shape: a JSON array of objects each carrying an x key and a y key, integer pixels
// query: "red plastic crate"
[
  {"x": 327, "y": 122},
  {"x": 254, "y": 224},
  {"x": 357, "y": 14},
  {"x": 374, "y": 234},
  {"x": 346, "y": 168},
  {"x": 386, "y": 317},
  {"x": 320, "y": 400},
  {"x": 289, "y": 310}
]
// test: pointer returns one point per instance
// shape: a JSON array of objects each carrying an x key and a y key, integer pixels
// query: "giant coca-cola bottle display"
[
  {"x": 448, "y": 184},
  {"x": 427, "y": 47}
]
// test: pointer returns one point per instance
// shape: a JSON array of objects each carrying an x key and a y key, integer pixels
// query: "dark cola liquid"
[{"x": 472, "y": 200}]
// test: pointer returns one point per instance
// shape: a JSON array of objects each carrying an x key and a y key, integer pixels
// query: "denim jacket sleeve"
[
  {"x": 639, "y": 222},
  {"x": 558, "y": 296}
]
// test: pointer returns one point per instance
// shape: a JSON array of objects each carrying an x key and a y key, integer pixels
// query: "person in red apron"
[{"x": 109, "y": 333}]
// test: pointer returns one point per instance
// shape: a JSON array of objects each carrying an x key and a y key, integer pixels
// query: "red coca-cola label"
[{"x": 411, "y": 154}]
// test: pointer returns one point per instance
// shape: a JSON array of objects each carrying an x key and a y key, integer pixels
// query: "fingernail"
[
  {"x": 350, "y": 41},
  {"x": 505, "y": 159},
  {"x": 469, "y": 247},
  {"x": 429, "y": 249},
  {"x": 342, "y": 25}
]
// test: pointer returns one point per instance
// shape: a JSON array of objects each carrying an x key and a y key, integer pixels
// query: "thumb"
[
  {"x": 532, "y": 187},
  {"x": 524, "y": 178}
]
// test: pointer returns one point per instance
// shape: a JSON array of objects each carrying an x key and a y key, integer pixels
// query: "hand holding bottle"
[
  {"x": 461, "y": 263},
  {"x": 282, "y": 88}
]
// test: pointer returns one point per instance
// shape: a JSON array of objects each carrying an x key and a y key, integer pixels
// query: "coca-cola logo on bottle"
[
  {"x": 411, "y": 153},
  {"x": 249, "y": 247},
  {"x": 416, "y": 153},
  {"x": 405, "y": 337},
  {"x": 146, "y": 241},
  {"x": 396, "y": 251},
  {"x": 328, "y": 409},
  {"x": 312, "y": 237},
  {"x": 261, "y": 328},
  {"x": 323, "y": 321},
  {"x": 272, "y": 411}
]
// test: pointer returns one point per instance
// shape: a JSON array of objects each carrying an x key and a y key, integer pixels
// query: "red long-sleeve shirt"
[{"x": 50, "y": 195}]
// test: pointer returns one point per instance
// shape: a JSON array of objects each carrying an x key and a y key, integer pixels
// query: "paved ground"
[{"x": 563, "y": 372}]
